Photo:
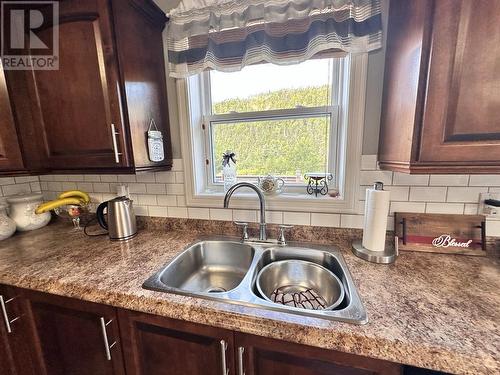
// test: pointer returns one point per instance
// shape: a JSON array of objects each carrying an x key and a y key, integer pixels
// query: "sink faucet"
[{"x": 262, "y": 199}]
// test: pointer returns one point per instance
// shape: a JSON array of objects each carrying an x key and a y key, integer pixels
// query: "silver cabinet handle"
[
  {"x": 107, "y": 347},
  {"x": 114, "y": 133},
  {"x": 223, "y": 349},
  {"x": 6, "y": 319},
  {"x": 241, "y": 370}
]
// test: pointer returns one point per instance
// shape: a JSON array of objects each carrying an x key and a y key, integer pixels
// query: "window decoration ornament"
[{"x": 228, "y": 35}]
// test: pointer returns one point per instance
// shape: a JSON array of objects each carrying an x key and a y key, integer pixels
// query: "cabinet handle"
[
  {"x": 6, "y": 319},
  {"x": 114, "y": 133},
  {"x": 241, "y": 370},
  {"x": 223, "y": 349},
  {"x": 107, "y": 347}
]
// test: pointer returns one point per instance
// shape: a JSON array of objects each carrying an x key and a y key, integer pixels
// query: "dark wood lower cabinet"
[
  {"x": 15, "y": 348},
  {"x": 72, "y": 337},
  {"x": 52, "y": 335},
  {"x": 261, "y": 356},
  {"x": 155, "y": 345}
]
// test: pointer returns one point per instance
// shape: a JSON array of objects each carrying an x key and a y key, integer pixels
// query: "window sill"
[{"x": 300, "y": 202}]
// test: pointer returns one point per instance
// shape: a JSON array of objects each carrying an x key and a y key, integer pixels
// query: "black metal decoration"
[{"x": 318, "y": 183}]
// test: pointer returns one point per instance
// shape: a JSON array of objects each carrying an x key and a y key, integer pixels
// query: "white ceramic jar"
[
  {"x": 7, "y": 225},
  {"x": 22, "y": 211}
]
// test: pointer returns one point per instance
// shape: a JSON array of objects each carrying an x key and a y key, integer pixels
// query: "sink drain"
[{"x": 216, "y": 289}]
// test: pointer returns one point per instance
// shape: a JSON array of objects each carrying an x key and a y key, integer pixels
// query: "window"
[{"x": 279, "y": 120}]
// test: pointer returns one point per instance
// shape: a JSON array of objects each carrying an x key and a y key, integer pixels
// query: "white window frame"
[{"x": 348, "y": 121}]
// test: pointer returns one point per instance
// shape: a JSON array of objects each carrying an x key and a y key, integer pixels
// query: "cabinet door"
[
  {"x": 15, "y": 346},
  {"x": 10, "y": 151},
  {"x": 461, "y": 115},
  {"x": 261, "y": 356},
  {"x": 79, "y": 104},
  {"x": 73, "y": 337},
  {"x": 155, "y": 345}
]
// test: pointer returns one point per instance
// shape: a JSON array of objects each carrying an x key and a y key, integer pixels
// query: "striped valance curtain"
[{"x": 228, "y": 35}]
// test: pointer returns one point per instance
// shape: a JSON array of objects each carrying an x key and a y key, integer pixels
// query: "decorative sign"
[
  {"x": 441, "y": 233},
  {"x": 445, "y": 240}
]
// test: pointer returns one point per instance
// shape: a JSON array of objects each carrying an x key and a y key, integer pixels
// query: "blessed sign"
[
  {"x": 441, "y": 233},
  {"x": 445, "y": 240}
]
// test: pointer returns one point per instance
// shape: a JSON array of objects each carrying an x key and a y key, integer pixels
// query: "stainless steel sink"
[
  {"x": 209, "y": 267},
  {"x": 220, "y": 268}
]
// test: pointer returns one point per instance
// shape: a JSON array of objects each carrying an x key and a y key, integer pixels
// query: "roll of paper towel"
[{"x": 376, "y": 211}]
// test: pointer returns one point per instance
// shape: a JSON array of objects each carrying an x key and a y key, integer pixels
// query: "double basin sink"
[{"x": 224, "y": 269}]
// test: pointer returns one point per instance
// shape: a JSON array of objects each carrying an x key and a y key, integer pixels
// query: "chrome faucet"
[{"x": 262, "y": 199}]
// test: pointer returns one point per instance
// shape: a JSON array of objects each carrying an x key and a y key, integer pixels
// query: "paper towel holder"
[{"x": 387, "y": 256}]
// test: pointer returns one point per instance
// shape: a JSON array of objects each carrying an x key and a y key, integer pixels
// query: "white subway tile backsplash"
[
  {"x": 418, "y": 207},
  {"x": 16, "y": 189},
  {"x": 427, "y": 194},
  {"x": 7, "y": 181},
  {"x": 141, "y": 210},
  {"x": 157, "y": 211},
  {"x": 351, "y": 221},
  {"x": 43, "y": 177},
  {"x": 484, "y": 180},
  {"x": 368, "y": 162},
  {"x": 471, "y": 209},
  {"x": 176, "y": 189},
  {"x": 84, "y": 186},
  {"x": 68, "y": 186},
  {"x": 54, "y": 185},
  {"x": 399, "y": 193},
  {"x": 177, "y": 165},
  {"x": 465, "y": 194},
  {"x": 274, "y": 217},
  {"x": 370, "y": 177},
  {"x": 101, "y": 187},
  {"x": 156, "y": 189},
  {"x": 181, "y": 201},
  {"x": 221, "y": 214},
  {"x": 25, "y": 179},
  {"x": 165, "y": 177},
  {"x": 35, "y": 186},
  {"x": 109, "y": 178},
  {"x": 449, "y": 180},
  {"x": 410, "y": 180},
  {"x": 199, "y": 213},
  {"x": 179, "y": 177},
  {"x": 167, "y": 200},
  {"x": 91, "y": 178},
  {"x": 297, "y": 218},
  {"x": 249, "y": 216},
  {"x": 325, "y": 220},
  {"x": 445, "y": 208},
  {"x": 145, "y": 177},
  {"x": 146, "y": 199},
  {"x": 126, "y": 178},
  {"x": 493, "y": 228},
  {"x": 137, "y": 188},
  {"x": 180, "y": 212}
]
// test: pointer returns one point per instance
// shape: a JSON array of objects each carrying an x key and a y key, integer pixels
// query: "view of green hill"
[{"x": 278, "y": 147}]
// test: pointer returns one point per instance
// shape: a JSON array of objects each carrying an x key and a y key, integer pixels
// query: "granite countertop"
[{"x": 434, "y": 311}]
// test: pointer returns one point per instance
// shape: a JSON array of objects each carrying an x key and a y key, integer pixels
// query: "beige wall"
[{"x": 373, "y": 97}]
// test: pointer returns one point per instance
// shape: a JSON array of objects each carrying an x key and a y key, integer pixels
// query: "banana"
[
  {"x": 47, "y": 206},
  {"x": 75, "y": 194}
]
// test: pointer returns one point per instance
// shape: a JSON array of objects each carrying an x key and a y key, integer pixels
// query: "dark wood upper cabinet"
[
  {"x": 442, "y": 87},
  {"x": 261, "y": 356},
  {"x": 10, "y": 149},
  {"x": 92, "y": 114},
  {"x": 69, "y": 338},
  {"x": 155, "y": 345}
]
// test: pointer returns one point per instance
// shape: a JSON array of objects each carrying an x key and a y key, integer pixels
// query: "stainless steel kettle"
[{"x": 121, "y": 223}]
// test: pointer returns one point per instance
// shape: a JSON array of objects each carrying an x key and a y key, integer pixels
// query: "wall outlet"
[{"x": 484, "y": 209}]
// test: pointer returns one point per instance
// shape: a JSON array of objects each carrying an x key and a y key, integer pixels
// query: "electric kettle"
[{"x": 121, "y": 224}]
